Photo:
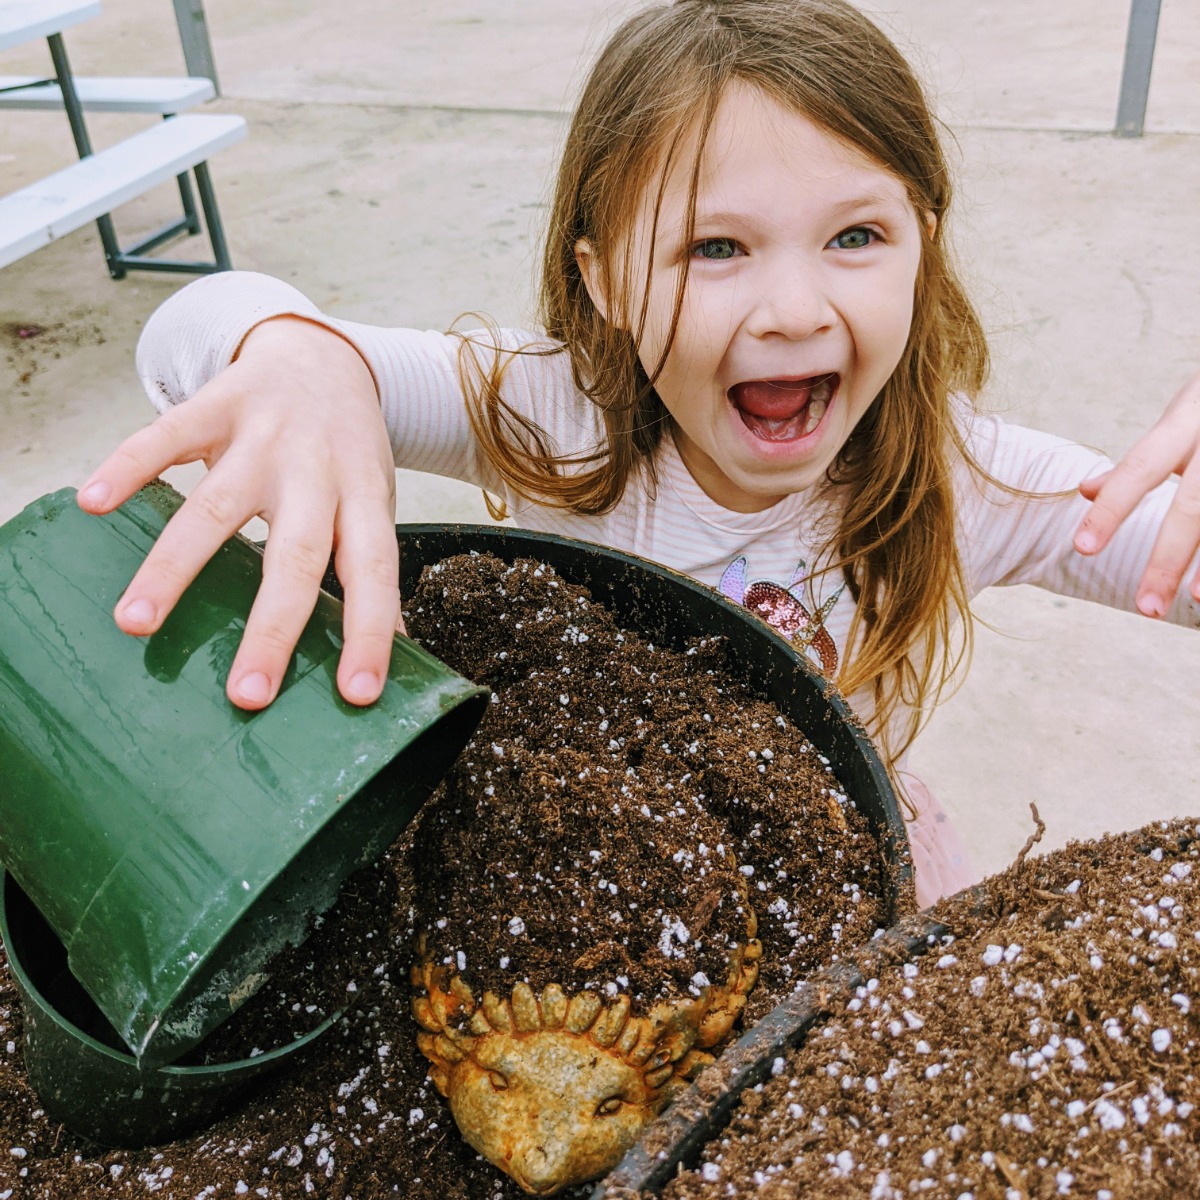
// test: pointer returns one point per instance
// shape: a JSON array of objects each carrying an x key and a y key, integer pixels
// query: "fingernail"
[
  {"x": 363, "y": 686},
  {"x": 1086, "y": 542},
  {"x": 1151, "y": 605},
  {"x": 140, "y": 612},
  {"x": 96, "y": 493},
  {"x": 255, "y": 687}
]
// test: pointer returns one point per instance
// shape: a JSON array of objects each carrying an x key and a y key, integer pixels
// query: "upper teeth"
[{"x": 822, "y": 391}]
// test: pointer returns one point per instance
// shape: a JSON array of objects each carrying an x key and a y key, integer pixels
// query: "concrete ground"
[{"x": 397, "y": 170}]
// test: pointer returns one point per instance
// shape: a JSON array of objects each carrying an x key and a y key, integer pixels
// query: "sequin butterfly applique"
[{"x": 784, "y": 610}]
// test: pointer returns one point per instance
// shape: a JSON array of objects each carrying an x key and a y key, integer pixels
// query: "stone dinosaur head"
[{"x": 553, "y": 1090}]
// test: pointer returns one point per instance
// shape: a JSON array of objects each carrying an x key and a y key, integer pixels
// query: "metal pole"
[
  {"x": 83, "y": 146},
  {"x": 193, "y": 33},
  {"x": 1139, "y": 58},
  {"x": 212, "y": 217}
]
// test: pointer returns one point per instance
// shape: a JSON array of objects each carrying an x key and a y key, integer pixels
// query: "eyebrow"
[
  {"x": 838, "y": 210},
  {"x": 869, "y": 200}
]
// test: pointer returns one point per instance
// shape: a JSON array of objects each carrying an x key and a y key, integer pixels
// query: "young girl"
[{"x": 758, "y": 368}]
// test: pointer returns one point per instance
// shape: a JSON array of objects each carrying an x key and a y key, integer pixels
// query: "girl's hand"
[
  {"x": 290, "y": 432},
  {"x": 1171, "y": 446}
]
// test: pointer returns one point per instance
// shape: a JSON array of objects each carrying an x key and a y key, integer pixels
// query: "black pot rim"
[{"x": 892, "y": 831}]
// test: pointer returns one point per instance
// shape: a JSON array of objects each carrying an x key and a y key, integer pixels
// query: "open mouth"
[{"x": 782, "y": 410}]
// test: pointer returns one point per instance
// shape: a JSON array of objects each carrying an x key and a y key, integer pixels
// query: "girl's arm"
[
  {"x": 300, "y": 420},
  {"x": 198, "y": 333},
  {"x": 1028, "y": 536},
  {"x": 1171, "y": 447}
]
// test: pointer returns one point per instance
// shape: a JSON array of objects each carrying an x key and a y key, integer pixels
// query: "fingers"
[
  {"x": 180, "y": 435},
  {"x": 1171, "y": 447},
  {"x": 214, "y": 512},
  {"x": 1176, "y": 544},
  {"x": 1116, "y": 493},
  {"x": 368, "y": 566},
  {"x": 295, "y": 559}
]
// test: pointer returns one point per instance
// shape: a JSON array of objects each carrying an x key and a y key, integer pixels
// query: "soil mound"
[
  {"x": 1046, "y": 1047},
  {"x": 595, "y": 829}
]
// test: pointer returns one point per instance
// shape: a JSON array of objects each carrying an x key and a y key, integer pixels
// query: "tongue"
[{"x": 778, "y": 400}]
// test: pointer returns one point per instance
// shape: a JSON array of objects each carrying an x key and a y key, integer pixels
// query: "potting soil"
[
  {"x": 617, "y": 811},
  {"x": 621, "y": 805},
  {"x": 309, "y": 982},
  {"x": 1046, "y": 1046}
]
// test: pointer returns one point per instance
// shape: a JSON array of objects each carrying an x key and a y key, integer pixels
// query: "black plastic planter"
[
  {"x": 83, "y": 1076},
  {"x": 671, "y": 608}
]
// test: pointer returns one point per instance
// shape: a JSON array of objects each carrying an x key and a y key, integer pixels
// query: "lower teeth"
[
  {"x": 800, "y": 425},
  {"x": 816, "y": 410}
]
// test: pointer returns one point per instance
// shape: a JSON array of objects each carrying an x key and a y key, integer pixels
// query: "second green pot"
[{"x": 76, "y": 1065}]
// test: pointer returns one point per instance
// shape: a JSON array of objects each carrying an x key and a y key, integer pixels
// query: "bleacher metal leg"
[
  {"x": 212, "y": 218},
  {"x": 189, "y": 204},
  {"x": 83, "y": 146},
  {"x": 186, "y": 197},
  {"x": 1135, "y": 76},
  {"x": 193, "y": 33}
]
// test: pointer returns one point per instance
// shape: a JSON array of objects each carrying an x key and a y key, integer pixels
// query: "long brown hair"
[{"x": 652, "y": 93}]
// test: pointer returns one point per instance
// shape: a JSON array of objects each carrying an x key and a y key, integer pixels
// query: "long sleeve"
[
  {"x": 1012, "y": 538},
  {"x": 198, "y": 332},
  {"x": 1006, "y": 538},
  {"x": 193, "y": 336}
]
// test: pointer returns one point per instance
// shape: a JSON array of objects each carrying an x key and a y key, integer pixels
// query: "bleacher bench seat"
[
  {"x": 60, "y": 203},
  {"x": 163, "y": 94}
]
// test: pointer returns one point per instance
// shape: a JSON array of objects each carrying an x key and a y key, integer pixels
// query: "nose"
[
  {"x": 540, "y": 1171},
  {"x": 790, "y": 299}
]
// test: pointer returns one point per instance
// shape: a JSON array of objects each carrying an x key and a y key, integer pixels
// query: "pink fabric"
[{"x": 941, "y": 862}]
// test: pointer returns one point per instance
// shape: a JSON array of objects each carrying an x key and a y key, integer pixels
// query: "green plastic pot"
[
  {"x": 173, "y": 842},
  {"x": 672, "y": 609},
  {"x": 83, "y": 1077}
]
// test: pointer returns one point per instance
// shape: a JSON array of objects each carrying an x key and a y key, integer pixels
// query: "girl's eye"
[
  {"x": 857, "y": 238},
  {"x": 715, "y": 249}
]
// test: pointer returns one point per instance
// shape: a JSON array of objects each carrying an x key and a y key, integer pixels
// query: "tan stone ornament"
[{"x": 553, "y": 1089}]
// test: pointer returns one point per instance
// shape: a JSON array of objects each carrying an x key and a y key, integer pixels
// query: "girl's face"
[{"x": 800, "y": 277}]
